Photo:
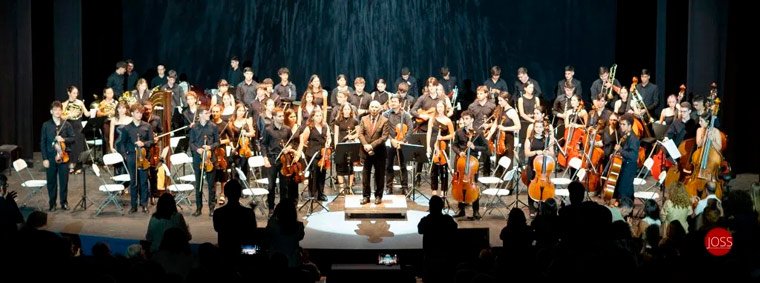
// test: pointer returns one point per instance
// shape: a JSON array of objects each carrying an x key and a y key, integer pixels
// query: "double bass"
[
  {"x": 541, "y": 188},
  {"x": 706, "y": 161},
  {"x": 463, "y": 187}
]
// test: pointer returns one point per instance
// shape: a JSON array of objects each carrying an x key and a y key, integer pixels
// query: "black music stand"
[
  {"x": 348, "y": 151},
  {"x": 85, "y": 158},
  {"x": 517, "y": 167},
  {"x": 414, "y": 152},
  {"x": 311, "y": 200},
  {"x": 94, "y": 125}
]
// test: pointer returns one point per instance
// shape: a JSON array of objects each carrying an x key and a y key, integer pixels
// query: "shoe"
[
  {"x": 476, "y": 215},
  {"x": 152, "y": 201},
  {"x": 51, "y": 208},
  {"x": 378, "y": 201},
  {"x": 322, "y": 198},
  {"x": 197, "y": 212},
  {"x": 144, "y": 209},
  {"x": 389, "y": 192},
  {"x": 460, "y": 214},
  {"x": 133, "y": 210},
  {"x": 211, "y": 210},
  {"x": 64, "y": 207},
  {"x": 364, "y": 201}
]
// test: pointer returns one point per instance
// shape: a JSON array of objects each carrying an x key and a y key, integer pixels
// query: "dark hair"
[
  {"x": 286, "y": 215},
  {"x": 495, "y": 70},
  {"x": 283, "y": 70},
  {"x": 466, "y": 113},
  {"x": 651, "y": 209},
  {"x": 522, "y": 70},
  {"x": 569, "y": 68},
  {"x": 577, "y": 191},
  {"x": 698, "y": 98},
  {"x": 549, "y": 207},
  {"x": 645, "y": 72},
  {"x": 445, "y": 70},
  {"x": 436, "y": 204},
  {"x": 603, "y": 70},
  {"x": 129, "y": 61},
  {"x": 405, "y": 71},
  {"x": 165, "y": 207},
  {"x": 234, "y": 58},
  {"x": 232, "y": 190},
  {"x": 628, "y": 118},
  {"x": 247, "y": 69},
  {"x": 3, "y": 181},
  {"x": 70, "y": 88},
  {"x": 121, "y": 64},
  {"x": 172, "y": 74},
  {"x": 342, "y": 76},
  {"x": 56, "y": 104},
  {"x": 625, "y": 202}
]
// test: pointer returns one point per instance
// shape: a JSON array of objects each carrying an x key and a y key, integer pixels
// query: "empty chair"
[
  {"x": 256, "y": 193},
  {"x": 181, "y": 159},
  {"x": 180, "y": 191},
  {"x": 575, "y": 163},
  {"x": 114, "y": 159},
  {"x": 641, "y": 176},
  {"x": 35, "y": 185},
  {"x": 112, "y": 192}
]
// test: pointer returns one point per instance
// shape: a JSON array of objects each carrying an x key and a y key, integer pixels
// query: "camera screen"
[
  {"x": 249, "y": 249},
  {"x": 387, "y": 259}
]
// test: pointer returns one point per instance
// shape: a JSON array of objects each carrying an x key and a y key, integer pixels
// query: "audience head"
[
  {"x": 436, "y": 204},
  {"x": 36, "y": 220},
  {"x": 577, "y": 192},
  {"x": 135, "y": 251},
  {"x": 651, "y": 209},
  {"x": 165, "y": 207},
  {"x": 232, "y": 190}
]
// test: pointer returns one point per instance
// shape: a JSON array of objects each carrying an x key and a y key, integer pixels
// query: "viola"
[
  {"x": 221, "y": 158},
  {"x": 439, "y": 156},
  {"x": 463, "y": 189},
  {"x": 291, "y": 168},
  {"x": 324, "y": 161}
]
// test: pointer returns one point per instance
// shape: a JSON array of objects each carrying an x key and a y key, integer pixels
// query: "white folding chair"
[
  {"x": 35, "y": 185},
  {"x": 181, "y": 159},
  {"x": 256, "y": 193},
  {"x": 489, "y": 181},
  {"x": 501, "y": 191},
  {"x": 641, "y": 176},
  {"x": 574, "y": 163},
  {"x": 181, "y": 191},
  {"x": 112, "y": 192},
  {"x": 650, "y": 192},
  {"x": 113, "y": 159},
  {"x": 174, "y": 141},
  {"x": 256, "y": 163}
]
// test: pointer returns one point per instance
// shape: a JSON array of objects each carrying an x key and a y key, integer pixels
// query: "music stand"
[
  {"x": 348, "y": 151},
  {"x": 414, "y": 152},
  {"x": 92, "y": 125},
  {"x": 517, "y": 168},
  {"x": 659, "y": 130},
  {"x": 85, "y": 158},
  {"x": 311, "y": 200},
  {"x": 418, "y": 139}
]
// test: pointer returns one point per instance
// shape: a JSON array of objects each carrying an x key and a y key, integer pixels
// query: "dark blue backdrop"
[{"x": 372, "y": 38}]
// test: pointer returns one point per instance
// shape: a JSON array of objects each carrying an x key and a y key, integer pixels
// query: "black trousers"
[
  {"x": 439, "y": 172},
  {"x": 209, "y": 182},
  {"x": 57, "y": 172},
  {"x": 389, "y": 175},
  {"x": 376, "y": 161},
  {"x": 288, "y": 186},
  {"x": 138, "y": 183},
  {"x": 317, "y": 179}
]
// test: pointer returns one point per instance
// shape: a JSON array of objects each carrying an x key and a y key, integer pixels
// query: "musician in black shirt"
[
  {"x": 470, "y": 138},
  {"x": 278, "y": 139},
  {"x": 139, "y": 136},
  {"x": 55, "y": 132},
  {"x": 397, "y": 119},
  {"x": 204, "y": 137}
]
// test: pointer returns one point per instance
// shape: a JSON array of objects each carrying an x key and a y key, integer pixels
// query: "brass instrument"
[
  {"x": 95, "y": 102},
  {"x": 72, "y": 111},
  {"x": 638, "y": 102},
  {"x": 128, "y": 98},
  {"x": 611, "y": 79},
  {"x": 108, "y": 108}
]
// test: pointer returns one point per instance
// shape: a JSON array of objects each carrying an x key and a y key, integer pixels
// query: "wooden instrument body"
[
  {"x": 220, "y": 158},
  {"x": 541, "y": 187},
  {"x": 463, "y": 186},
  {"x": 573, "y": 138},
  {"x": 429, "y": 112},
  {"x": 292, "y": 168},
  {"x": 704, "y": 172},
  {"x": 616, "y": 163}
]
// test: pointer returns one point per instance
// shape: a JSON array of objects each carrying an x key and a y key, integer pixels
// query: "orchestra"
[{"x": 265, "y": 119}]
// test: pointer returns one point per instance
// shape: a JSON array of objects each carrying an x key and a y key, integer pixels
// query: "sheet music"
[{"x": 672, "y": 149}]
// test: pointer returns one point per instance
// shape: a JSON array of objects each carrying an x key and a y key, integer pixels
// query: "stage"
[{"x": 325, "y": 230}]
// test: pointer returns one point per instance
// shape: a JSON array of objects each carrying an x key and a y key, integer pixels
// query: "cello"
[
  {"x": 613, "y": 171},
  {"x": 595, "y": 154},
  {"x": 463, "y": 189},
  {"x": 573, "y": 138},
  {"x": 706, "y": 161},
  {"x": 541, "y": 187}
]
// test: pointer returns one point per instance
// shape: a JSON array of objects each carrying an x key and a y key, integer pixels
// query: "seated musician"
[
  {"x": 683, "y": 127},
  {"x": 712, "y": 133},
  {"x": 397, "y": 118},
  {"x": 467, "y": 137}
]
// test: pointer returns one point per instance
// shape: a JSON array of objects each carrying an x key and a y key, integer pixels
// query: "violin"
[
  {"x": 244, "y": 146},
  {"x": 62, "y": 156},
  {"x": 291, "y": 168},
  {"x": 221, "y": 158},
  {"x": 325, "y": 152},
  {"x": 206, "y": 165},
  {"x": 439, "y": 156},
  {"x": 141, "y": 158},
  {"x": 463, "y": 189}
]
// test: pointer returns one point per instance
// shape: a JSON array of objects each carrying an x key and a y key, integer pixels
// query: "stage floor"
[{"x": 324, "y": 229}]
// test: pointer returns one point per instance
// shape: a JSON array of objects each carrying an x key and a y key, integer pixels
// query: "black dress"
[
  {"x": 316, "y": 141},
  {"x": 343, "y": 166},
  {"x": 439, "y": 172}
]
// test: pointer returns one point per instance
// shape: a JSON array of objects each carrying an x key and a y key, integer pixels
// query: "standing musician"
[
  {"x": 495, "y": 84},
  {"x": 238, "y": 126},
  {"x": 525, "y": 105},
  {"x": 469, "y": 137},
  {"x": 266, "y": 116},
  {"x": 629, "y": 150},
  {"x": 223, "y": 89},
  {"x": 507, "y": 125},
  {"x": 191, "y": 112},
  {"x": 522, "y": 81},
  {"x": 425, "y": 106},
  {"x": 279, "y": 138},
  {"x": 306, "y": 108},
  {"x": 73, "y": 110},
  {"x": 444, "y": 132},
  {"x": 340, "y": 98},
  {"x": 315, "y": 137},
  {"x": 649, "y": 93},
  {"x": 562, "y": 102},
  {"x": 536, "y": 144},
  {"x": 138, "y": 138},
  {"x": 178, "y": 93},
  {"x": 245, "y": 91},
  {"x": 603, "y": 83},
  {"x": 55, "y": 133},
  {"x": 343, "y": 86},
  {"x": 315, "y": 88},
  {"x": 571, "y": 81},
  {"x": 360, "y": 98},
  {"x": 373, "y": 132},
  {"x": 220, "y": 175},
  {"x": 106, "y": 108},
  {"x": 404, "y": 99},
  {"x": 380, "y": 94},
  {"x": 204, "y": 137},
  {"x": 155, "y": 126},
  {"x": 141, "y": 91},
  {"x": 448, "y": 81},
  {"x": 285, "y": 90},
  {"x": 346, "y": 129},
  {"x": 397, "y": 119},
  {"x": 480, "y": 110}
]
